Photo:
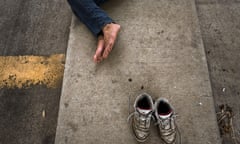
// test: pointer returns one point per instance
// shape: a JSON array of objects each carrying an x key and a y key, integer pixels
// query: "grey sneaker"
[
  {"x": 164, "y": 114},
  {"x": 142, "y": 117}
]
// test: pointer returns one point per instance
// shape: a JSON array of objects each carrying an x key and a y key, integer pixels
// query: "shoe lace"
[
  {"x": 133, "y": 113},
  {"x": 142, "y": 119},
  {"x": 164, "y": 123},
  {"x": 166, "y": 126},
  {"x": 142, "y": 122}
]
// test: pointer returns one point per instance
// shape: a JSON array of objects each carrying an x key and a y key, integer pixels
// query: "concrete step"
[{"x": 159, "y": 51}]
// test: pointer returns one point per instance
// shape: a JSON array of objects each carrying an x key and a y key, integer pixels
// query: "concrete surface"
[
  {"x": 160, "y": 49},
  {"x": 219, "y": 21},
  {"x": 29, "y": 27}
]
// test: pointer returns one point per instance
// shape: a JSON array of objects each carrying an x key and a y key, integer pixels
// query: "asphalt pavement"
[{"x": 35, "y": 30}]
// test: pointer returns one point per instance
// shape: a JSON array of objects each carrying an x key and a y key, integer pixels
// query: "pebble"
[
  {"x": 224, "y": 89},
  {"x": 43, "y": 114}
]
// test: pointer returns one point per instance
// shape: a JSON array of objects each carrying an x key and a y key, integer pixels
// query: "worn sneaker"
[
  {"x": 164, "y": 114},
  {"x": 142, "y": 117}
]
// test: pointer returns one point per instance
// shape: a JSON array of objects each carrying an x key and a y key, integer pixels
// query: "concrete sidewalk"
[{"x": 160, "y": 52}]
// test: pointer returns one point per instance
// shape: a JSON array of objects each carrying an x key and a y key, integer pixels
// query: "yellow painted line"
[{"x": 25, "y": 71}]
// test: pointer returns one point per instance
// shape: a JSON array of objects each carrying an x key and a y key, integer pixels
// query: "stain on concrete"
[
  {"x": 130, "y": 79},
  {"x": 25, "y": 71},
  {"x": 66, "y": 105},
  {"x": 66, "y": 140},
  {"x": 114, "y": 81},
  {"x": 73, "y": 126}
]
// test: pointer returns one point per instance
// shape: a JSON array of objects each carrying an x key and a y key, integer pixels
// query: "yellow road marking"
[{"x": 25, "y": 71}]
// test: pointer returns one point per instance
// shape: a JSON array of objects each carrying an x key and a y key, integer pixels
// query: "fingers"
[
  {"x": 100, "y": 49},
  {"x": 97, "y": 59},
  {"x": 108, "y": 49},
  {"x": 110, "y": 35},
  {"x": 106, "y": 42}
]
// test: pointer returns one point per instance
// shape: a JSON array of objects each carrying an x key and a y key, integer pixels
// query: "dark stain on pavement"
[
  {"x": 130, "y": 79},
  {"x": 66, "y": 105},
  {"x": 73, "y": 126},
  {"x": 49, "y": 139}
]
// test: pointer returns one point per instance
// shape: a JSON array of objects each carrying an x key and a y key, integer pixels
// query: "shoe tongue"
[
  {"x": 164, "y": 116},
  {"x": 144, "y": 111}
]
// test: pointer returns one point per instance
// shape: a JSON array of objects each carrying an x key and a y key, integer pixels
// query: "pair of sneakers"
[{"x": 161, "y": 111}]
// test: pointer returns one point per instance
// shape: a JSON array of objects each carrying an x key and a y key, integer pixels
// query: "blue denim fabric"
[{"x": 89, "y": 12}]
